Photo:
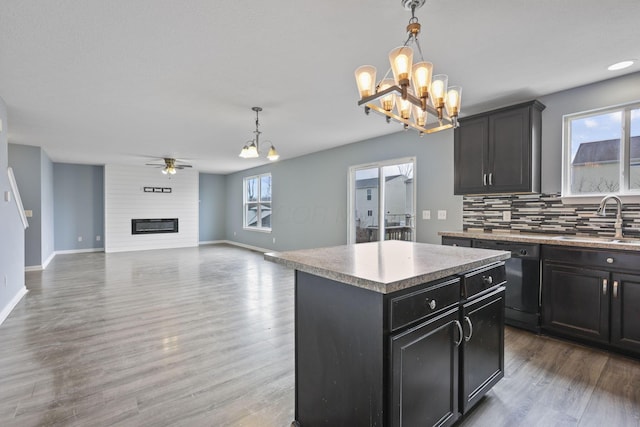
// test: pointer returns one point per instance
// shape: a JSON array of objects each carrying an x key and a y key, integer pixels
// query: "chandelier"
[
  {"x": 413, "y": 91},
  {"x": 251, "y": 149}
]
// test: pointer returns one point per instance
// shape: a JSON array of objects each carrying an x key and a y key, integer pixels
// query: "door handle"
[
  {"x": 484, "y": 179},
  {"x": 460, "y": 333},
  {"x": 615, "y": 288},
  {"x": 466, "y": 319},
  {"x": 491, "y": 178},
  {"x": 605, "y": 284}
]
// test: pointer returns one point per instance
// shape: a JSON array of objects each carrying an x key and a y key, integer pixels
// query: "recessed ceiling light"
[{"x": 620, "y": 65}]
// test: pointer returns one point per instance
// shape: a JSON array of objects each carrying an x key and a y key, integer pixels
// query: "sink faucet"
[{"x": 602, "y": 211}]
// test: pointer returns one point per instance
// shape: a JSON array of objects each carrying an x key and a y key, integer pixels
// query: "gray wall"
[
  {"x": 212, "y": 195},
  {"x": 11, "y": 230},
  {"x": 78, "y": 207},
  {"x": 47, "y": 198},
  {"x": 598, "y": 95},
  {"x": 26, "y": 163},
  {"x": 310, "y": 192}
]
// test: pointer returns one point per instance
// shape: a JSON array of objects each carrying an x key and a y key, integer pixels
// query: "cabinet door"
[
  {"x": 625, "y": 311},
  {"x": 576, "y": 301},
  {"x": 482, "y": 356},
  {"x": 424, "y": 377},
  {"x": 470, "y": 156},
  {"x": 456, "y": 241},
  {"x": 510, "y": 150}
]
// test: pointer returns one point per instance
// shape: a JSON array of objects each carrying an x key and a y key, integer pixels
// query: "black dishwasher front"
[{"x": 522, "y": 301}]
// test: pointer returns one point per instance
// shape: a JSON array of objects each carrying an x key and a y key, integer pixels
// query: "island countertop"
[{"x": 387, "y": 266}]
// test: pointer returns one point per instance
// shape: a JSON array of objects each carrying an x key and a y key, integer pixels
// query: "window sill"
[
  {"x": 259, "y": 230},
  {"x": 593, "y": 199}
]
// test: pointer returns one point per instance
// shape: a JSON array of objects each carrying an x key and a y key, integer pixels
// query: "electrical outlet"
[
  {"x": 234, "y": 233},
  {"x": 442, "y": 214},
  {"x": 5, "y": 280},
  {"x": 274, "y": 240},
  {"x": 79, "y": 238},
  {"x": 98, "y": 238},
  {"x": 28, "y": 213},
  {"x": 426, "y": 214},
  {"x": 506, "y": 216}
]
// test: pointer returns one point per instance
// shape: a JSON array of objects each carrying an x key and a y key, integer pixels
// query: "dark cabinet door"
[
  {"x": 424, "y": 378},
  {"x": 470, "y": 153},
  {"x": 456, "y": 241},
  {"x": 625, "y": 311},
  {"x": 510, "y": 151},
  {"x": 482, "y": 355},
  {"x": 575, "y": 301}
]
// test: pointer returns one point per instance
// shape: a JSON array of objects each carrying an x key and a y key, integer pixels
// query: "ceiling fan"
[{"x": 170, "y": 165}]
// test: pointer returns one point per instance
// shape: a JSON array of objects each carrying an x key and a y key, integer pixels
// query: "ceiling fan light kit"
[
  {"x": 413, "y": 91},
  {"x": 251, "y": 149},
  {"x": 170, "y": 167}
]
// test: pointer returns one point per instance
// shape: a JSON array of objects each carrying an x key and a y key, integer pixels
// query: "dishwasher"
[{"x": 522, "y": 300}]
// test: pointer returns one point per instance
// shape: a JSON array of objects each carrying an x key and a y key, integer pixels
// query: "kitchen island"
[{"x": 395, "y": 333}]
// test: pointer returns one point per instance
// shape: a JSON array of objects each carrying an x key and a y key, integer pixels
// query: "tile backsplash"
[{"x": 545, "y": 213}]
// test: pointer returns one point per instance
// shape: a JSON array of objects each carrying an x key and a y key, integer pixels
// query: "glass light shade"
[
  {"x": 422, "y": 78},
  {"x": 401, "y": 59},
  {"x": 419, "y": 116},
  {"x": 404, "y": 106},
  {"x": 366, "y": 80},
  {"x": 273, "y": 154},
  {"x": 165, "y": 171},
  {"x": 387, "y": 102},
  {"x": 438, "y": 89},
  {"x": 454, "y": 96},
  {"x": 243, "y": 152},
  {"x": 252, "y": 151},
  {"x": 172, "y": 170}
]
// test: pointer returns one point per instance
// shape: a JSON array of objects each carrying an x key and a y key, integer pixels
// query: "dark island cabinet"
[
  {"x": 499, "y": 151},
  {"x": 425, "y": 377},
  {"x": 482, "y": 355},
  {"x": 592, "y": 295}
]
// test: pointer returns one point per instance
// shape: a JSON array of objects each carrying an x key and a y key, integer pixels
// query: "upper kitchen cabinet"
[{"x": 499, "y": 151}]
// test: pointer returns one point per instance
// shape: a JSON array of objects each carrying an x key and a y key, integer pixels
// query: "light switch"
[
  {"x": 442, "y": 214},
  {"x": 0, "y": 125},
  {"x": 28, "y": 213},
  {"x": 426, "y": 214},
  {"x": 7, "y": 196}
]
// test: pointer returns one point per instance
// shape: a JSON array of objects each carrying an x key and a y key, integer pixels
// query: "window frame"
[
  {"x": 258, "y": 202},
  {"x": 624, "y": 162}
]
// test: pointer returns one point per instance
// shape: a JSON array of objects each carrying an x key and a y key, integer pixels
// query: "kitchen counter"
[
  {"x": 387, "y": 266},
  {"x": 628, "y": 244}
]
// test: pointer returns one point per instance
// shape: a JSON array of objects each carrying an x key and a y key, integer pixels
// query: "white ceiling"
[{"x": 124, "y": 81}]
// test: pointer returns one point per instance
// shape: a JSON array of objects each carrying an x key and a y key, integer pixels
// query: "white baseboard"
[
  {"x": 242, "y": 245},
  {"x": 79, "y": 251},
  {"x": 33, "y": 268},
  {"x": 212, "y": 242},
  {"x": 16, "y": 299},
  {"x": 48, "y": 260}
]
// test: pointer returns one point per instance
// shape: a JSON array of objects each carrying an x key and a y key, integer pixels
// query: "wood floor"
[{"x": 204, "y": 337}]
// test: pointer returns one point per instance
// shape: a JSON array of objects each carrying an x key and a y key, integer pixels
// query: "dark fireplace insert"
[{"x": 154, "y": 225}]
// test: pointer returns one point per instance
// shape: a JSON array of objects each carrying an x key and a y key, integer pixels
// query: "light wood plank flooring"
[{"x": 204, "y": 337}]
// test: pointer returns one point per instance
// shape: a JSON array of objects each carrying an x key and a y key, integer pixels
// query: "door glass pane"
[
  {"x": 595, "y": 153},
  {"x": 398, "y": 201},
  {"x": 634, "y": 169},
  {"x": 252, "y": 190},
  {"x": 366, "y": 205}
]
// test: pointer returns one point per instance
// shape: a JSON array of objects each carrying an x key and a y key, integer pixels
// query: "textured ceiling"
[{"x": 124, "y": 81}]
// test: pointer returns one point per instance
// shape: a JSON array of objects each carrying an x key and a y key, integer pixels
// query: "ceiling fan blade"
[{"x": 183, "y": 166}]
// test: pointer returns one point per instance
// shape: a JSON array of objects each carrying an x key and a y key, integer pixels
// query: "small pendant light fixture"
[
  {"x": 251, "y": 149},
  {"x": 412, "y": 90}
]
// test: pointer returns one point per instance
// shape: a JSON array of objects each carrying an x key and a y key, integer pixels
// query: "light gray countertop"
[
  {"x": 388, "y": 266},
  {"x": 628, "y": 244}
]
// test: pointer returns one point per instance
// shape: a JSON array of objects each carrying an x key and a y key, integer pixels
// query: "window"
[
  {"x": 369, "y": 212},
  {"x": 602, "y": 152},
  {"x": 369, "y": 194},
  {"x": 257, "y": 202}
]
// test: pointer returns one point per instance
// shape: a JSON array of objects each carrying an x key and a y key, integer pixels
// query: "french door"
[{"x": 382, "y": 201}]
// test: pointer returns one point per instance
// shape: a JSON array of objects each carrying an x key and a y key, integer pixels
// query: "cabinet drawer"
[
  {"x": 480, "y": 280},
  {"x": 418, "y": 305},
  {"x": 593, "y": 257}
]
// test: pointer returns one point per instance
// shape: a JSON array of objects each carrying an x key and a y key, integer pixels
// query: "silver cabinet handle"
[
  {"x": 605, "y": 284},
  {"x": 491, "y": 178},
  {"x": 460, "y": 333},
  {"x": 609, "y": 260},
  {"x": 432, "y": 304},
  {"x": 466, "y": 319},
  {"x": 487, "y": 279},
  {"x": 484, "y": 179},
  {"x": 615, "y": 288}
]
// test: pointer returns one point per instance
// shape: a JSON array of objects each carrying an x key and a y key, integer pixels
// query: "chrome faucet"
[{"x": 602, "y": 211}]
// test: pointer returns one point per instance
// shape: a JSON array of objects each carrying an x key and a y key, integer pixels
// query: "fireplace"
[{"x": 154, "y": 225}]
